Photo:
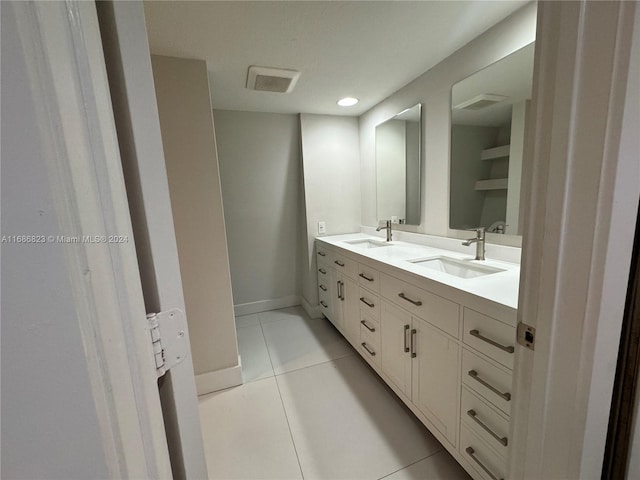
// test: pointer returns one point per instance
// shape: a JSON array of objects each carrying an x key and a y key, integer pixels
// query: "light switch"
[{"x": 321, "y": 228}]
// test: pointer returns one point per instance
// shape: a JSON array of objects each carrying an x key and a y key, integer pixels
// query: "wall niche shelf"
[
  {"x": 492, "y": 184},
  {"x": 497, "y": 152}
]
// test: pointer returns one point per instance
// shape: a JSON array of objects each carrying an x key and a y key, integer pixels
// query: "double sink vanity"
[{"x": 438, "y": 327}]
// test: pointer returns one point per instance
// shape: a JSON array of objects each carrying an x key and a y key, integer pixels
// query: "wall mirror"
[
  {"x": 488, "y": 122},
  {"x": 398, "y": 164}
]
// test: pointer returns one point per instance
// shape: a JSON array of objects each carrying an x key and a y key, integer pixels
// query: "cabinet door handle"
[
  {"x": 324, "y": 304},
  {"x": 339, "y": 287},
  {"x": 503, "y": 440},
  {"x": 342, "y": 291},
  {"x": 322, "y": 254},
  {"x": 470, "y": 451},
  {"x": 366, "y": 325},
  {"x": 368, "y": 279},
  {"x": 477, "y": 334},
  {"x": 413, "y": 343},
  {"x": 406, "y": 330},
  {"x": 367, "y": 302},
  {"x": 339, "y": 263},
  {"x": 505, "y": 396},
  {"x": 322, "y": 271},
  {"x": 322, "y": 287},
  {"x": 417, "y": 303},
  {"x": 369, "y": 351}
]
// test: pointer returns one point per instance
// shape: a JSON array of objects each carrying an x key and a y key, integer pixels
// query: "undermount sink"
[
  {"x": 367, "y": 243},
  {"x": 458, "y": 268}
]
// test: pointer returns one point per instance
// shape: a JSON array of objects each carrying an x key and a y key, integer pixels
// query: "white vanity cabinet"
[{"x": 447, "y": 354}]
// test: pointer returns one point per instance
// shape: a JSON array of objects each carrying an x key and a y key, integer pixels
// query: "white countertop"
[{"x": 500, "y": 287}]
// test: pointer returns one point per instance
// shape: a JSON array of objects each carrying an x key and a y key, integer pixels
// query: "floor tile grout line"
[
  {"x": 412, "y": 464},
  {"x": 314, "y": 365},
  {"x": 293, "y": 441},
  {"x": 284, "y": 409}
]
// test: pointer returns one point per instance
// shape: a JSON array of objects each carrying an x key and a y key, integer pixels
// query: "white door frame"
[
  {"x": 67, "y": 79},
  {"x": 583, "y": 199}
]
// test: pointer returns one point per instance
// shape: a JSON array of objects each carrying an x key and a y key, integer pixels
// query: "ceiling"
[{"x": 363, "y": 49}]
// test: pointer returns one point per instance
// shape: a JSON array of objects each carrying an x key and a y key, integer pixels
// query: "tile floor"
[{"x": 311, "y": 408}]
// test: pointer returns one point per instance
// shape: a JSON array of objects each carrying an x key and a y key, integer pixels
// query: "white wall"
[
  {"x": 186, "y": 121},
  {"x": 50, "y": 426},
  {"x": 433, "y": 90},
  {"x": 331, "y": 169},
  {"x": 260, "y": 172}
]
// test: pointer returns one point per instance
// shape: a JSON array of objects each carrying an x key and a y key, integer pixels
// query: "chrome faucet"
[
  {"x": 479, "y": 241},
  {"x": 388, "y": 229}
]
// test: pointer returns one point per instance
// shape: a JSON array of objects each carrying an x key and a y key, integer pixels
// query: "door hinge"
[
  {"x": 168, "y": 332},
  {"x": 526, "y": 336}
]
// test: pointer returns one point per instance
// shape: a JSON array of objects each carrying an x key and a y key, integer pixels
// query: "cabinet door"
[
  {"x": 435, "y": 377},
  {"x": 351, "y": 310},
  {"x": 395, "y": 360}
]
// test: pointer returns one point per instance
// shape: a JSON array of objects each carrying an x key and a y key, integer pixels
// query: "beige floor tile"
[
  {"x": 440, "y": 466},
  {"x": 246, "y": 435},
  {"x": 253, "y": 354}
]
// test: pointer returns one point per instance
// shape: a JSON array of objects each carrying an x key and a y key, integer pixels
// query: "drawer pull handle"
[
  {"x": 503, "y": 440},
  {"x": 322, "y": 254},
  {"x": 339, "y": 263},
  {"x": 417, "y": 303},
  {"x": 406, "y": 329},
  {"x": 368, "y": 279},
  {"x": 322, "y": 271},
  {"x": 340, "y": 290},
  {"x": 413, "y": 345},
  {"x": 324, "y": 304},
  {"x": 470, "y": 451},
  {"x": 369, "y": 351},
  {"x": 322, "y": 287},
  {"x": 505, "y": 396},
  {"x": 476, "y": 333},
  {"x": 366, "y": 325},
  {"x": 366, "y": 302}
]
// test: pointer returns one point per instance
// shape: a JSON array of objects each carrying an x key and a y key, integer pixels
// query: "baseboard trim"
[
  {"x": 313, "y": 312},
  {"x": 266, "y": 305},
  {"x": 219, "y": 380}
]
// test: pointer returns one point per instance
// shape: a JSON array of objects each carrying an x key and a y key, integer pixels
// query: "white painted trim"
[
  {"x": 577, "y": 242},
  {"x": 219, "y": 380},
  {"x": 312, "y": 311},
  {"x": 64, "y": 58},
  {"x": 266, "y": 305}
]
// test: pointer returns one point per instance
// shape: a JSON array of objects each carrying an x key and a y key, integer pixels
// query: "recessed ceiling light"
[{"x": 347, "y": 101}]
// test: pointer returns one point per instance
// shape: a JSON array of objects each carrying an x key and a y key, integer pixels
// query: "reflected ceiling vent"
[
  {"x": 265, "y": 79},
  {"x": 481, "y": 101}
]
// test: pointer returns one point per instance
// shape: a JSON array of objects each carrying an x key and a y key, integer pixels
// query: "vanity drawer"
[
  {"x": 324, "y": 302},
  {"x": 324, "y": 271},
  {"x": 490, "y": 381},
  {"x": 368, "y": 323},
  {"x": 369, "y": 278},
  {"x": 345, "y": 265},
  {"x": 489, "y": 336},
  {"x": 485, "y": 421},
  {"x": 369, "y": 344},
  {"x": 323, "y": 253},
  {"x": 369, "y": 303},
  {"x": 484, "y": 460},
  {"x": 436, "y": 310}
]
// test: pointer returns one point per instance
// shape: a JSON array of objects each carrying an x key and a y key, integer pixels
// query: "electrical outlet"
[
  {"x": 322, "y": 228},
  {"x": 394, "y": 219}
]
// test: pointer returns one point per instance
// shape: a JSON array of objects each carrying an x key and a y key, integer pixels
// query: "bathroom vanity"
[{"x": 439, "y": 328}]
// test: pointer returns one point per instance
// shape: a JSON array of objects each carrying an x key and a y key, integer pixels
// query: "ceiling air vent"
[
  {"x": 265, "y": 79},
  {"x": 481, "y": 101}
]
